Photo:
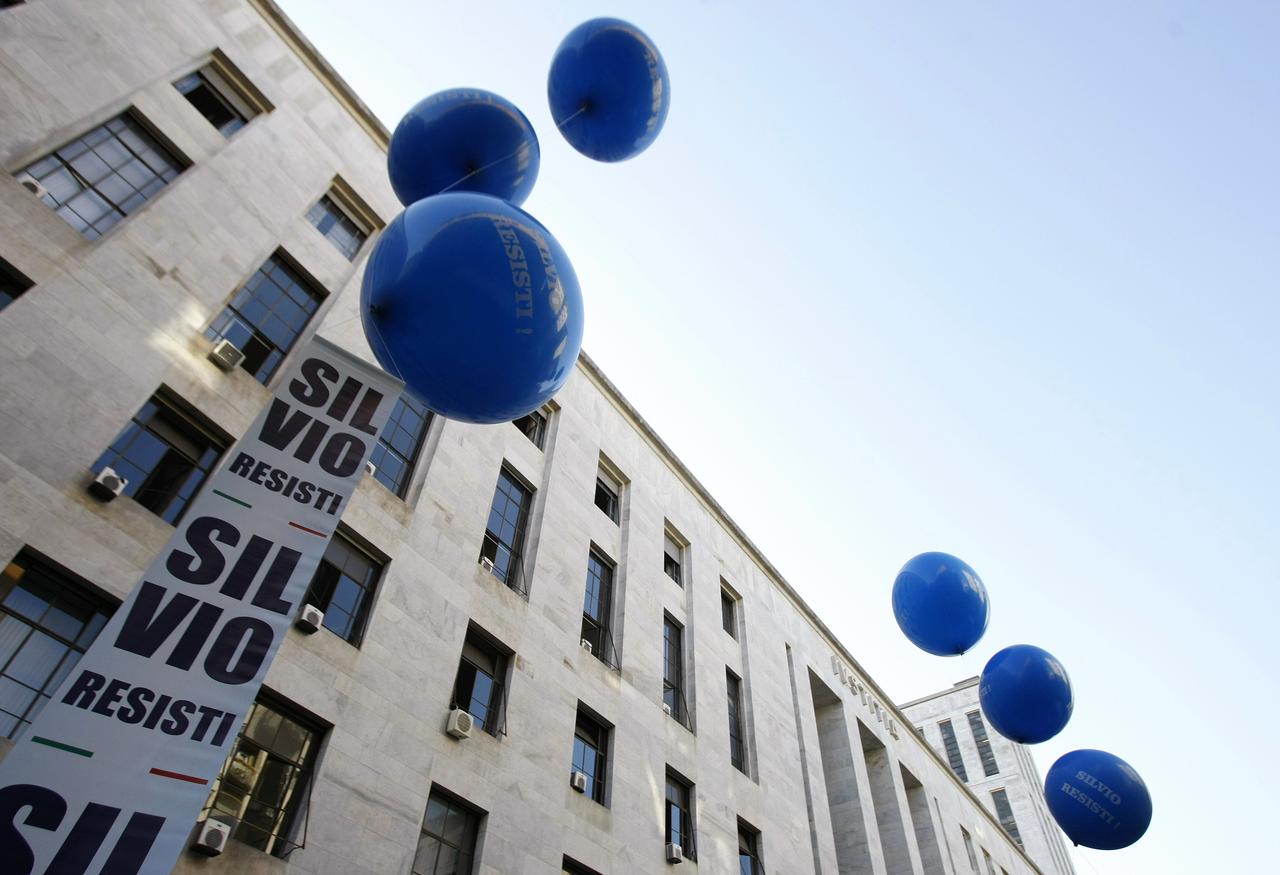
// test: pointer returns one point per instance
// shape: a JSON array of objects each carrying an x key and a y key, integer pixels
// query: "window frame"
[
  {"x": 223, "y": 96},
  {"x": 13, "y": 284},
  {"x": 539, "y": 419},
  {"x": 749, "y": 843},
  {"x": 359, "y": 231},
  {"x": 383, "y": 446},
  {"x": 280, "y": 842},
  {"x": 357, "y": 548},
  {"x": 951, "y": 747},
  {"x": 59, "y": 589},
  {"x": 143, "y": 139},
  {"x": 1000, "y": 798},
  {"x": 585, "y": 726},
  {"x": 729, "y": 611},
  {"x": 673, "y": 565},
  {"x": 738, "y": 756},
  {"x": 472, "y": 826},
  {"x": 169, "y": 414},
  {"x": 598, "y": 630},
  {"x": 986, "y": 755},
  {"x": 687, "y": 836},
  {"x": 494, "y": 720},
  {"x": 231, "y": 315},
  {"x": 673, "y": 662},
  {"x": 512, "y": 573}
]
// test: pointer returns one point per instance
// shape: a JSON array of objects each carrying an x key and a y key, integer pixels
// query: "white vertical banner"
[{"x": 113, "y": 773}]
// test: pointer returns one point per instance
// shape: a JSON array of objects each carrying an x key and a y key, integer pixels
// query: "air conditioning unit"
[
  {"x": 486, "y": 563},
  {"x": 226, "y": 355},
  {"x": 585, "y": 645},
  {"x": 666, "y": 708},
  {"x": 32, "y": 185},
  {"x": 370, "y": 468},
  {"x": 211, "y": 838},
  {"x": 107, "y": 485},
  {"x": 460, "y": 723},
  {"x": 578, "y": 781},
  {"x": 675, "y": 853},
  {"x": 309, "y": 619}
]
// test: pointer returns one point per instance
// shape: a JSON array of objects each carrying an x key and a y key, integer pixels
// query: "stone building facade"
[
  {"x": 182, "y": 172},
  {"x": 1000, "y": 772}
]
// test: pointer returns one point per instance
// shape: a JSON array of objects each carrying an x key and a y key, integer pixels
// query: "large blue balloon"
[
  {"x": 474, "y": 305},
  {"x": 463, "y": 140},
  {"x": 1025, "y": 694},
  {"x": 1098, "y": 799},
  {"x": 940, "y": 604},
  {"x": 608, "y": 89}
]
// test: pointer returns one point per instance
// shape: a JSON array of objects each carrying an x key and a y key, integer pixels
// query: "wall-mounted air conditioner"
[
  {"x": 460, "y": 723},
  {"x": 578, "y": 781},
  {"x": 309, "y": 619},
  {"x": 226, "y": 355},
  {"x": 674, "y": 853},
  {"x": 585, "y": 645},
  {"x": 486, "y": 563},
  {"x": 211, "y": 838},
  {"x": 107, "y": 484}
]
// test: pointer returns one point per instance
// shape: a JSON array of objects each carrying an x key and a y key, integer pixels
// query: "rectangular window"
[
  {"x": 104, "y": 175},
  {"x": 673, "y": 671},
  {"x": 607, "y": 491},
  {"x": 985, "y": 753},
  {"x": 165, "y": 453},
  {"x": 591, "y": 753},
  {"x": 447, "y": 843},
  {"x": 398, "y": 445},
  {"x": 12, "y": 284},
  {"x": 504, "y": 532},
  {"x": 749, "y": 859},
  {"x": 680, "y": 815},
  {"x": 265, "y": 316},
  {"x": 479, "y": 688},
  {"x": 336, "y": 224},
  {"x": 263, "y": 786},
  {"x": 215, "y": 98},
  {"x": 343, "y": 588},
  {"x": 533, "y": 426},
  {"x": 597, "y": 607},
  {"x": 953, "y": 750},
  {"x": 672, "y": 554},
  {"x": 1004, "y": 812},
  {"x": 47, "y": 621},
  {"x": 728, "y": 613},
  {"x": 968, "y": 847},
  {"x": 737, "y": 732},
  {"x": 986, "y": 857},
  {"x": 569, "y": 866}
]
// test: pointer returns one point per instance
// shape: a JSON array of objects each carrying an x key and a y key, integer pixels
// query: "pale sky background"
[{"x": 998, "y": 279}]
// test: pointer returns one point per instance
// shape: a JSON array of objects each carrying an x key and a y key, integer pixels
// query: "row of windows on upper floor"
[
  {"x": 990, "y": 768},
  {"x": 110, "y": 171},
  {"x": 48, "y": 620}
]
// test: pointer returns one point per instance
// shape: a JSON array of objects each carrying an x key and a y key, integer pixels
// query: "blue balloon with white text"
[
  {"x": 474, "y": 304},
  {"x": 1025, "y": 694},
  {"x": 463, "y": 139},
  {"x": 940, "y": 604},
  {"x": 1098, "y": 799},
  {"x": 609, "y": 90}
]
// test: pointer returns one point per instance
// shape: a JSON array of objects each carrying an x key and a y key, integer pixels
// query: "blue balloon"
[
  {"x": 608, "y": 89},
  {"x": 1026, "y": 694},
  {"x": 1098, "y": 799},
  {"x": 940, "y": 604},
  {"x": 474, "y": 305},
  {"x": 463, "y": 140}
]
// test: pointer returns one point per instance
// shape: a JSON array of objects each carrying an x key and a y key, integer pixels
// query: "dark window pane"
[
  {"x": 504, "y": 534},
  {"x": 399, "y": 443},
  {"x": 953, "y": 750},
  {"x": 343, "y": 588},
  {"x": 728, "y": 618},
  {"x": 46, "y": 621},
  {"x": 979, "y": 730},
  {"x": 533, "y": 426},
  {"x": 165, "y": 455},
  {"x": 607, "y": 498},
  {"x": 1004, "y": 812},
  {"x": 266, "y": 315},
  {"x": 737, "y": 745},
  {"x": 447, "y": 843},
  {"x": 96, "y": 180},
  {"x": 340, "y": 229},
  {"x": 211, "y": 103},
  {"x": 12, "y": 283}
]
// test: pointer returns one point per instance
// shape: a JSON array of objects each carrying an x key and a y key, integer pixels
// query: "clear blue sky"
[{"x": 999, "y": 279}]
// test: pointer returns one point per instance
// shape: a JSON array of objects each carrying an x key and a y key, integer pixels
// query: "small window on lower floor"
[
  {"x": 447, "y": 843},
  {"x": 750, "y": 860},
  {"x": 337, "y": 226},
  {"x": 679, "y": 806},
  {"x": 608, "y": 492},
  {"x": 672, "y": 558},
  {"x": 480, "y": 686},
  {"x": 343, "y": 587},
  {"x": 590, "y": 755},
  {"x": 12, "y": 284},
  {"x": 569, "y": 866},
  {"x": 164, "y": 453},
  {"x": 263, "y": 789},
  {"x": 47, "y": 621},
  {"x": 728, "y": 612}
]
